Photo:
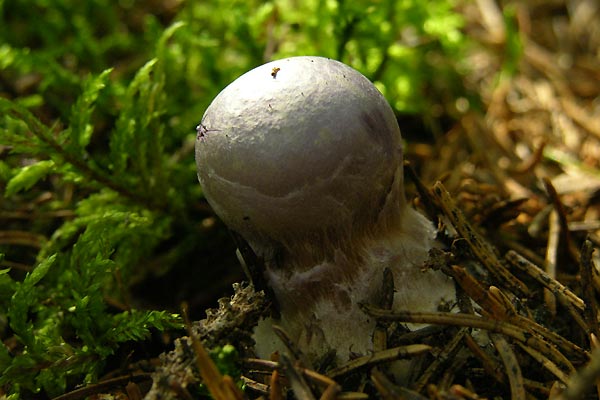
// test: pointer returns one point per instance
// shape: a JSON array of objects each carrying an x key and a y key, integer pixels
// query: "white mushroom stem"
[
  {"x": 320, "y": 306},
  {"x": 303, "y": 158}
]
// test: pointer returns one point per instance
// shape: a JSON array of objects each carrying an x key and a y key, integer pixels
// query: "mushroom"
[{"x": 303, "y": 158}]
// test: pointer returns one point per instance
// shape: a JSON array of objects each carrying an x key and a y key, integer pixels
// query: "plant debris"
[
  {"x": 511, "y": 177},
  {"x": 517, "y": 209}
]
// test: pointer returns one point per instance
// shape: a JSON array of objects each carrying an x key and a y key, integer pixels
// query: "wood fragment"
[
  {"x": 503, "y": 299},
  {"x": 331, "y": 392},
  {"x": 551, "y": 259},
  {"x": 258, "y": 387},
  {"x": 456, "y": 366},
  {"x": 390, "y": 391},
  {"x": 419, "y": 335},
  {"x": 253, "y": 266},
  {"x": 490, "y": 365},
  {"x": 586, "y": 267},
  {"x": 583, "y": 381},
  {"x": 320, "y": 379},
  {"x": 441, "y": 359},
  {"x": 481, "y": 248},
  {"x": 498, "y": 310},
  {"x": 323, "y": 381},
  {"x": 584, "y": 226},
  {"x": 549, "y": 365},
  {"x": 426, "y": 199},
  {"x": 596, "y": 279},
  {"x": 133, "y": 391},
  {"x": 352, "y": 396},
  {"x": 477, "y": 292},
  {"x": 539, "y": 388},
  {"x": 463, "y": 393},
  {"x": 595, "y": 344},
  {"x": 259, "y": 363},
  {"x": 526, "y": 252},
  {"x": 465, "y": 320},
  {"x": 572, "y": 303},
  {"x": 379, "y": 357},
  {"x": 565, "y": 235},
  {"x": 297, "y": 382},
  {"x": 561, "y": 291}
]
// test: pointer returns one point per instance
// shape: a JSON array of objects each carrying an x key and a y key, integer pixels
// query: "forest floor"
[
  {"x": 513, "y": 184},
  {"x": 514, "y": 187}
]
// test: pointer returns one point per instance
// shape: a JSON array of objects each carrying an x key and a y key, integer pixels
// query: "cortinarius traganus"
[{"x": 303, "y": 158}]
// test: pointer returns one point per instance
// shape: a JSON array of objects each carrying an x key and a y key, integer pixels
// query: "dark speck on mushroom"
[{"x": 274, "y": 72}]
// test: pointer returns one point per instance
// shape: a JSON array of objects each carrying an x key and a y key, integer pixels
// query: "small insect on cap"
[{"x": 300, "y": 147}]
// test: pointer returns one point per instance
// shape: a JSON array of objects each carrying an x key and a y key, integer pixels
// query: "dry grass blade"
[
  {"x": 561, "y": 291},
  {"x": 305, "y": 379},
  {"x": 492, "y": 20},
  {"x": 320, "y": 379},
  {"x": 595, "y": 345},
  {"x": 596, "y": 277},
  {"x": 466, "y": 320},
  {"x": 583, "y": 381},
  {"x": 478, "y": 293},
  {"x": 463, "y": 393},
  {"x": 493, "y": 367},
  {"x": 389, "y": 391},
  {"x": 504, "y": 300},
  {"x": 549, "y": 365},
  {"x": 554, "y": 232},
  {"x": 512, "y": 368},
  {"x": 133, "y": 391},
  {"x": 562, "y": 219},
  {"x": 217, "y": 384},
  {"x": 379, "y": 357},
  {"x": 565, "y": 297},
  {"x": 297, "y": 382},
  {"x": 490, "y": 365},
  {"x": 295, "y": 352},
  {"x": 586, "y": 268},
  {"x": 425, "y": 199},
  {"x": 494, "y": 305},
  {"x": 352, "y": 396},
  {"x": 441, "y": 358},
  {"x": 275, "y": 390},
  {"x": 103, "y": 386},
  {"x": 22, "y": 238},
  {"x": 482, "y": 249},
  {"x": 254, "y": 386},
  {"x": 331, "y": 392}
]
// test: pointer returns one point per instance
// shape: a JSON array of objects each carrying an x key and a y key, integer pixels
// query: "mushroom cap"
[{"x": 301, "y": 147}]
